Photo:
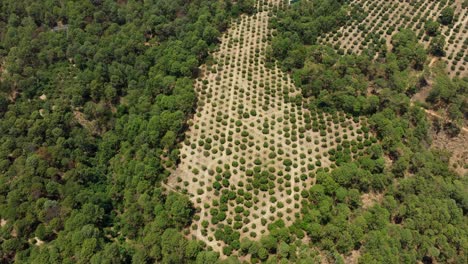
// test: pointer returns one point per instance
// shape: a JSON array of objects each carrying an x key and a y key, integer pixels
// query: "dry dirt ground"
[
  {"x": 251, "y": 150},
  {"x": 455, "y": 146},
  {"x": 381, "y": 19}
]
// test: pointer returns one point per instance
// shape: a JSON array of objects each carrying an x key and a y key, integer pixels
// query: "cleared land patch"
[{"x": 252, "y": 149}]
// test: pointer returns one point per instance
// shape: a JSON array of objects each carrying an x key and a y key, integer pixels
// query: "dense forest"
[{"x": 95, "y": 96}]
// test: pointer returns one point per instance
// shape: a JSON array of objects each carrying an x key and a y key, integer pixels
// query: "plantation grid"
[
  {"x": 252, "y": 149},
  {"x": 374, "y": 23}
]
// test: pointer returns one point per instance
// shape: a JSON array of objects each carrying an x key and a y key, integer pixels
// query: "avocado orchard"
[{"x": 252, "y": 148}]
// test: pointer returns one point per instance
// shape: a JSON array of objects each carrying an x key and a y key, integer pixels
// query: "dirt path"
[
  {"x": 455, "y": 145},
  {"x": 438, "y": 116},
  {"x": 440, "y": 140}
]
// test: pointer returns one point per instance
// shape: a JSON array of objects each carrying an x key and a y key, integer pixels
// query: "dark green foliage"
[
  {"x": 408, "y": 50},
  {"x": 80, "y": 167},
  {"x": 431, "y": 27},
  {"x": 437, "y": 45},
  {"x": 317, "y": 17},
  {"x": 446, "y": 16},
  {"x": 450, "y": 94}
]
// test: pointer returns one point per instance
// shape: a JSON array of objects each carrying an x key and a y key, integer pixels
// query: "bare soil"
[{"x": 456, "y": 146}]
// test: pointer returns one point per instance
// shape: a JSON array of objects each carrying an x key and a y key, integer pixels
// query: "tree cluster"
[{"x": 94, "y": 98}]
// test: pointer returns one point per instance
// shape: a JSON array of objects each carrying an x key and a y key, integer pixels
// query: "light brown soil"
[
  {"x": 38, "y": 241},
  {"x": 13, "y": 95},
  {"x": 434, "y": 114},
  {"x": 369, "y": 199},
  {"x": 91, "y": 126},
  {"x": 421, "y": 95},
  {"x": 353, "y": 257},
  {"x": 457, "y": 146}
]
